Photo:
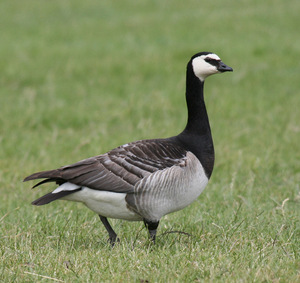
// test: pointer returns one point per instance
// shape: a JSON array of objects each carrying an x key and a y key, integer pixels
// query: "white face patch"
[{"x": 203, "y": 69}]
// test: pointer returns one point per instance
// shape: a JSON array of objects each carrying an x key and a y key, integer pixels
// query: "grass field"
[{"x": 79, "y": 78}]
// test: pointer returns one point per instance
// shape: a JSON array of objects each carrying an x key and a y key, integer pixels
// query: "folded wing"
[{"x": 120, "y": 169}]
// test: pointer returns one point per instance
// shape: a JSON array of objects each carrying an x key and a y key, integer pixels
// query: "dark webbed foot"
[
  {"x": 152, "y": 228},
  {"x": 113, "y": 241},
  {"x": 112, "y": 234}
]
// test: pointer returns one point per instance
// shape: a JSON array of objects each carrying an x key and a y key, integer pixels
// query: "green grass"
[{"x": 79, "y": 78}]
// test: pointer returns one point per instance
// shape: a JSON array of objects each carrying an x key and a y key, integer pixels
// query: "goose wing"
[{"x": 120, "y": 169}]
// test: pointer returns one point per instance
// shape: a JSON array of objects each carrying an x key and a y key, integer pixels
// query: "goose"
[{"x": 146, "y": 179}]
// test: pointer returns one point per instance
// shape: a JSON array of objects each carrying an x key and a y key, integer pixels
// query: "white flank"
[{"x": 104, "y": 203}]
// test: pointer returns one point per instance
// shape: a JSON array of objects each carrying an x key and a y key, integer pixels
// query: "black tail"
[
  {"x": 51, "y": 175},
  {"x": 52, "y": 196}
]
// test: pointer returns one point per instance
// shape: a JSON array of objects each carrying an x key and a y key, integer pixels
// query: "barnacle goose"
[{"x": 147, "y": 179}]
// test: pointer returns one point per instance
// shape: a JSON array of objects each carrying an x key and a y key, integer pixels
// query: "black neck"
[
  {"x": 196, "y": 136},
  {"x": 197, "y": 123}
]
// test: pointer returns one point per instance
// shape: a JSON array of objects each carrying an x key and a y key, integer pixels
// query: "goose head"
[{"x": 205, "y": 64}]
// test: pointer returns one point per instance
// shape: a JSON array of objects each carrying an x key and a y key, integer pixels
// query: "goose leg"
[
  {"x": 112, "y": 234},
  {"x": 152, "y": 228}
]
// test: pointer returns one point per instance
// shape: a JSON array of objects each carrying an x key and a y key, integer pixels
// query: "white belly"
[{"x": 107, "y": 204}]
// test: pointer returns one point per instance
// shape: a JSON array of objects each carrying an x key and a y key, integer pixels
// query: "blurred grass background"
[{"x": 80, "y": 78}]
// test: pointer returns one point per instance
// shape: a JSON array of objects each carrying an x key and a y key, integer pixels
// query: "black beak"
[{"x": 224, "y": 68}]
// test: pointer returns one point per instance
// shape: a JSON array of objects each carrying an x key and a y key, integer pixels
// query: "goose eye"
[{"x": 211, "y": 61}]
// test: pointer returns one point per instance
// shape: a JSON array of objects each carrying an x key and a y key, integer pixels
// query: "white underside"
[{"x": 104, "y": 203}]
